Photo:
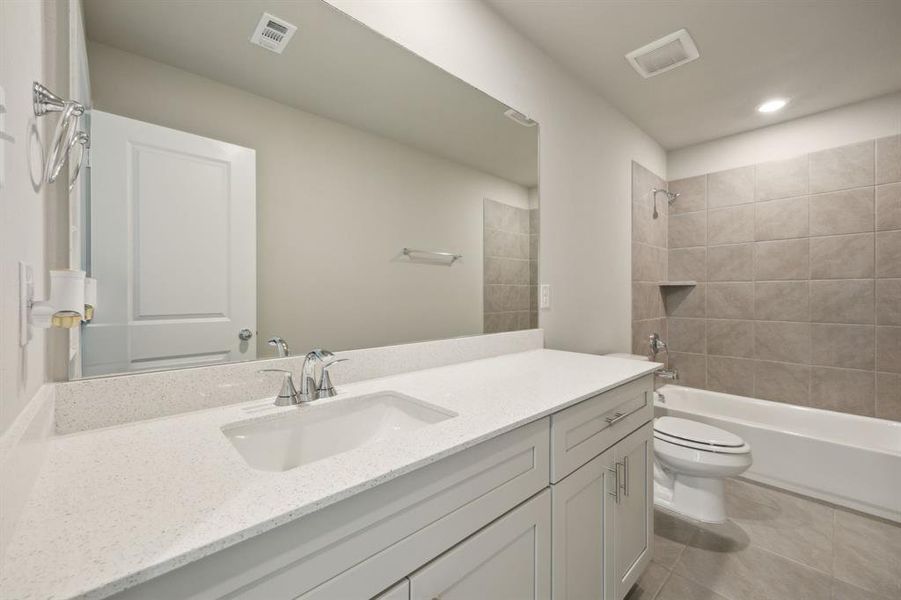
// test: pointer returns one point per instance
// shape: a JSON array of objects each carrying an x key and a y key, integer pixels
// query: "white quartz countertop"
[{"x": 118, "y": 506}]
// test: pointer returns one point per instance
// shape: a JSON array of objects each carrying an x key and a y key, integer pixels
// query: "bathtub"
[{"x": 847, "y": 460}]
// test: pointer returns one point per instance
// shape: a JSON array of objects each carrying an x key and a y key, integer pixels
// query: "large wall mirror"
[{"x": 339, "y": 193}]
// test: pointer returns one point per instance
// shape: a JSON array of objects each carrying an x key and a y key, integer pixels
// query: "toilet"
[{"x": 691, "y": 460}]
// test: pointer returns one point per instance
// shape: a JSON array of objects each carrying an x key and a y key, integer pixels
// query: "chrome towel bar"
[{"x": 453, "y": 257}]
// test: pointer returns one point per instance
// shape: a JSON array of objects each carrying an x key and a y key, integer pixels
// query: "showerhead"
[{"x": 670, "y": 198}]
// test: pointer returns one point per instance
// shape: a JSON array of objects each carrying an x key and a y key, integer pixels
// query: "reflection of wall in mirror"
[{"x": 335, "y": 207}]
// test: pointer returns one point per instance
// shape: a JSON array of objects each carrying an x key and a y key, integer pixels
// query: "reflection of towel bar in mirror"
[{"x": 453, "y": 257}]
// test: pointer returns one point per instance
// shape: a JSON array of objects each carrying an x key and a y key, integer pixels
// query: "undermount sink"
[{"x": 313, "y": 432}]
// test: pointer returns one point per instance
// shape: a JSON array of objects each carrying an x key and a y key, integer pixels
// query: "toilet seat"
[{"x": 698, "y": 436}]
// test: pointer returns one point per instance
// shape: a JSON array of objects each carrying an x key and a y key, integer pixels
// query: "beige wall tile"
[
  {"x": 888, "y": 349},
  {"x": 843, "y": 167},
  {"x": 888, "y": 396},
  {"x": 506, "y": 270},
  {"x": 686, "y": 301},
  {"x": 782, "y": 178},
  {"x": 506, "y": 298},
  {"x": 846, "y": 346},
  {"x": 646, "y": 301},
  {"x": 504, "y": 244},
  {"x": 645, "y": 228},
  {"x": 687, "y": 264},
  {"x": 688, "y": 229},
  {"x": 500, "y": 322},
  {"x": 692, "y": 194},
  {"x": 730, "y": 263},
  {"x": 730, "y": 375},
  {"x": 730, "y": 300},
  {"x": 866, "y": 553},
  {"x": 842, "y": 256},
  {"x": 781, "y": 300},
  {"x": 888, "y": 159},
  {"x": 782, "y": 341},
  {"x": 843, "y": 390},
  {"x": 730, "y": 338},
  {"x": 888, "y": 302},
  {"x": 782, "y": 382},
  {"x": 505, "y": 217},
  {"x": 648, "y": 262},
  {"x": 888, "y": 206},
  {"x": 782, "y": 259},
  {"x": 888, "y": 254},
  {"x": 842, "y": 301},
  {"x": 781, "y": 219},
  {"x": 727, "y": 188},
  {"x": 687, "y": 335},
  {"x": 643, "y": 181},
  {"x": 732, "y": 225},
  {"x": 692, "y": 368},
  {"x": 847, "y": 211}
]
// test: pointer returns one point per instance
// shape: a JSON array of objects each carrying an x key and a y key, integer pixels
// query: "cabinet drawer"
[{"x": 583, "y": 431}]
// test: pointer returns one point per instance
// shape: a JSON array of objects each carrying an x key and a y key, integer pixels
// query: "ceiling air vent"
[
  {"x": 272, "y": 33},
  {"x": 661, "y": 55}
]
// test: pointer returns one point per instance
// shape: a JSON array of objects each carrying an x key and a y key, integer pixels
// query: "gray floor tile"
[{"x": 868, "y": 553}]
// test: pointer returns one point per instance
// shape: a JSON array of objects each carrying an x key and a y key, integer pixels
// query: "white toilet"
[{"x": 691, "y": 460}]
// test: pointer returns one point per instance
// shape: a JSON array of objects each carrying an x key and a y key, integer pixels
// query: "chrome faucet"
[
  {"x": 281, "y": 346},
  {"x": 309, "y": 389},
  {"x": 657, "y": 345}
]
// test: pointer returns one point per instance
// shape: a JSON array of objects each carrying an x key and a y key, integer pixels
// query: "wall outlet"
[{"x": 544, "y": 297}]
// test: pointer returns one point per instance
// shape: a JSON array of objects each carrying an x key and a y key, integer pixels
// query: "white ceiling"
[
  {"x": 334, "y": 67},
  {"x": 819, "y": 53}
]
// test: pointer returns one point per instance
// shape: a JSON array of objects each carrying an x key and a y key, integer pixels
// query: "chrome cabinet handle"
[
  {"x": 615, "y": 492},
  {"x": 245, "y": 334},
  {"x": 616, "y": 417},
  {"x": 625, "y": 475}
]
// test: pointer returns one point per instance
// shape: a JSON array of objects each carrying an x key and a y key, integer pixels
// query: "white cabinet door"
[
  {"x": 398, "y": 591},
  {"x": 508, "y": 560},
  {"x": 633, "y": 510},
  {"x": 172, "y": 245},
  {"x": 582, "y": 544}
]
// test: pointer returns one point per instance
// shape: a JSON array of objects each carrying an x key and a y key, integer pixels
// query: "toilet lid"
[{"x": 676, "y": 430}]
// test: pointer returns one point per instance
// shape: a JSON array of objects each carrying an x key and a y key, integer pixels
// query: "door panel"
[
  {"x": 173, "y": 247},
  {"x": 582, "y": 517},
  {"x": 508, "y": 560},
  {"x": 633, "y": 514}
]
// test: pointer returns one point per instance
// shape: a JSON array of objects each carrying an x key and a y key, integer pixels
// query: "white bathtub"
[{"x": 844, "y": 459}]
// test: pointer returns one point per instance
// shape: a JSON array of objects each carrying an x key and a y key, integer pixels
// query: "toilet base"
[{"x": 699, "y": 498}]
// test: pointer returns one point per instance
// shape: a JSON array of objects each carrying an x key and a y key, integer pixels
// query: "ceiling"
[
  {"x": 819, "y": 53},
  {"x": 333, "y": 67}
]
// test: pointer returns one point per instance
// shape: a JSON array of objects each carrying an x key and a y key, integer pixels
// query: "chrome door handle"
[
  {"x": 245, "y": 334},
  {"x": 615, "y": 492},
  {"x": 616, "y": 417},
  {"x": 625, "y": 475}
]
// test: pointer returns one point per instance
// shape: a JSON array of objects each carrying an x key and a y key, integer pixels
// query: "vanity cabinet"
[
  {"x": 559, "y": 507},
  {"x": 508, "y": 559}
]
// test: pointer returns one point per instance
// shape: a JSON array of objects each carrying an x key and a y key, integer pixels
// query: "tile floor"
[{"x": 775, "y": 546}]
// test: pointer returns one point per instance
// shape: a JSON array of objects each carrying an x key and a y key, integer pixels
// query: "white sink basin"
[{"x": 314, "y": 432}]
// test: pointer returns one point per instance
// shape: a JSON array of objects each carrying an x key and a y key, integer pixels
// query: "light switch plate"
[{"x": 544, "y": 297}]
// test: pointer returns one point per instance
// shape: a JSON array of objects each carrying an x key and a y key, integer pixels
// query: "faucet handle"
[
  {"x": 280, "y": 345},
  {"x": 288, "y": 395},
  {"x": 326, "y": 389}
]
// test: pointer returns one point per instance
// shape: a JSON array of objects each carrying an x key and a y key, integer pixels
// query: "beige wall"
[
  {"x": 585, "y": 159},
  {"x": 857, "y": 122},
  {"x": 33, "y": 37},
  {"x": 336, "y": 206}
]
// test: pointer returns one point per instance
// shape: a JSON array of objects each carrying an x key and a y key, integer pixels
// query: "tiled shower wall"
[
  {"x": 798, "y": 270},
  {"x": 649, "y": 258},
  {"x": 511, "y": 267}
]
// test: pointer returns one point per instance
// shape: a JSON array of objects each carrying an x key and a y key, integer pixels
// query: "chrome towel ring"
[{"x": 66, "y": 134}]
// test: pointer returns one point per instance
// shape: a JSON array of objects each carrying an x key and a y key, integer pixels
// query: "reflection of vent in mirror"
[
  {"x": 273, "y": 33},
  {"x": 518, "y": 117},
  {"x": 664, "y": 54}
]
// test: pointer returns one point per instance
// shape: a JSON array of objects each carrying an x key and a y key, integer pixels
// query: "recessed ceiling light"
[{"x": 772, "y": 105}]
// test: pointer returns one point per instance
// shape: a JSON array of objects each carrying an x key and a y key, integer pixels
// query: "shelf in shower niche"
[{"x": 673, "y": 284}]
